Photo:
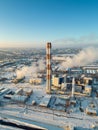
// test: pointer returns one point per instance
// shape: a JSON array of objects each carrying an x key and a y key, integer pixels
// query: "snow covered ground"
[{"x": 45, "y": 117}]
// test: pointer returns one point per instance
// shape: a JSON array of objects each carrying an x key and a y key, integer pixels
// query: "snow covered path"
[{"x": 47, "y": 116}]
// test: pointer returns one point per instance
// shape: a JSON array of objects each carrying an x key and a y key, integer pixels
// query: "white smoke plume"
[
  {"x": 85, "y": 57},
  {"x": 21, "y": 73},
  {"x": 42, "y": 65},
  {"x": 31, "y": 71}
]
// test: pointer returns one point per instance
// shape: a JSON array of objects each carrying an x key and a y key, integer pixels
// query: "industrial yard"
[{"x": 53, "y": 89}]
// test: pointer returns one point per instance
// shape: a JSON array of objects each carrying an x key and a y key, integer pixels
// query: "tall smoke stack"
[
  {"x": 48, "y": 66},
  {"x": 73, "y": 86}
]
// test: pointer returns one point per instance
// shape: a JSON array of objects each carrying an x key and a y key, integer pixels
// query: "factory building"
[
  {"x": 75, "y": 70},
  {"x": 88, "y": 90},
  {"x": 3, "y": 91},
  {"x": 48, "y": 66},
  {"x": 91, "y": 111},
  {"x": 36, "y": 81},
  {"x": 95, "y": 81},
  {"x": 95, "y": 84},
  {"x": 59, "y": 81},
  {"x": 90, "y": 69},
  {"x": 45, "y": 101},
  {"x": 87, "y": 80},
  {"x": 21, "y": 95},
  {"x": 19, "y": 98},
  {"x": 79, "y": 84}
]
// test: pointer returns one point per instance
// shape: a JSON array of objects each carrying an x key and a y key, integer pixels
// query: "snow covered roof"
[
  {"x": 45, "y": 101},
  {"x": 19, "y": 98},
  {"x": 88, "y": 86},
  {"x": 90, "y": 110}
]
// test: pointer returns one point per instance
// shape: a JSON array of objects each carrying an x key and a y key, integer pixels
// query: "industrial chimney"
[
  {"x": 73, "y": 86},
  {"x": 48, "y": 66}
]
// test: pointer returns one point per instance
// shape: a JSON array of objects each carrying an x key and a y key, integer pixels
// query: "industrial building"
[
  {"x": 91, "y": 111},
  {"x": 88, "y": 90},
  {"x": 59, "y": 81},
  {"x": 36, "y": 81},
  {"x": 90, "y": 69},
  {"x": 45, "y": 101},
  {"x": 21, "y": 95},
  {"x": 82, "y": 83}
]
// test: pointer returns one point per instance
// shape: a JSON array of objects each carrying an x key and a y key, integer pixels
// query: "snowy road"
[
  {"x": 28, "y": 118},
  {"x": 47, "y": 117}
]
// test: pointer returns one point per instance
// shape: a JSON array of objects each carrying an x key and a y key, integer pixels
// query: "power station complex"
[
  {"x": 37, "y": 87},
  {"x": 75, "y": 80},
  {"x": 53, "y": 80}
]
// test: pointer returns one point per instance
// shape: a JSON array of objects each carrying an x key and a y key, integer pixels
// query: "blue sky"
[{"x": 30, "y": 23}]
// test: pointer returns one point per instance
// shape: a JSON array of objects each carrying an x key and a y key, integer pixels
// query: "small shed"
[{"x": 91, "y": 111}]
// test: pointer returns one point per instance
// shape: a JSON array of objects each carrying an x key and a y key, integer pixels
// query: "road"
[{"x": 45, "y": 117}]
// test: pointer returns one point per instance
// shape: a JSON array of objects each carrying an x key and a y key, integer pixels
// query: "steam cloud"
[
  {"x": 85, "y": 57},
  {"x": 32, "y": 70}
]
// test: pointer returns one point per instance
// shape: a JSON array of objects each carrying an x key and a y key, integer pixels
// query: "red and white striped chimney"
[{"x": 48, "y": 66}]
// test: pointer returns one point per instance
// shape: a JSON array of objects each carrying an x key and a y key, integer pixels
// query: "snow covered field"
[{"x": 45, "y": 117}]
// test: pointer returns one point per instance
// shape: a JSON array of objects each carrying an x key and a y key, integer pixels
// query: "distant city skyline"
[{"x": 32, "y": 23}]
